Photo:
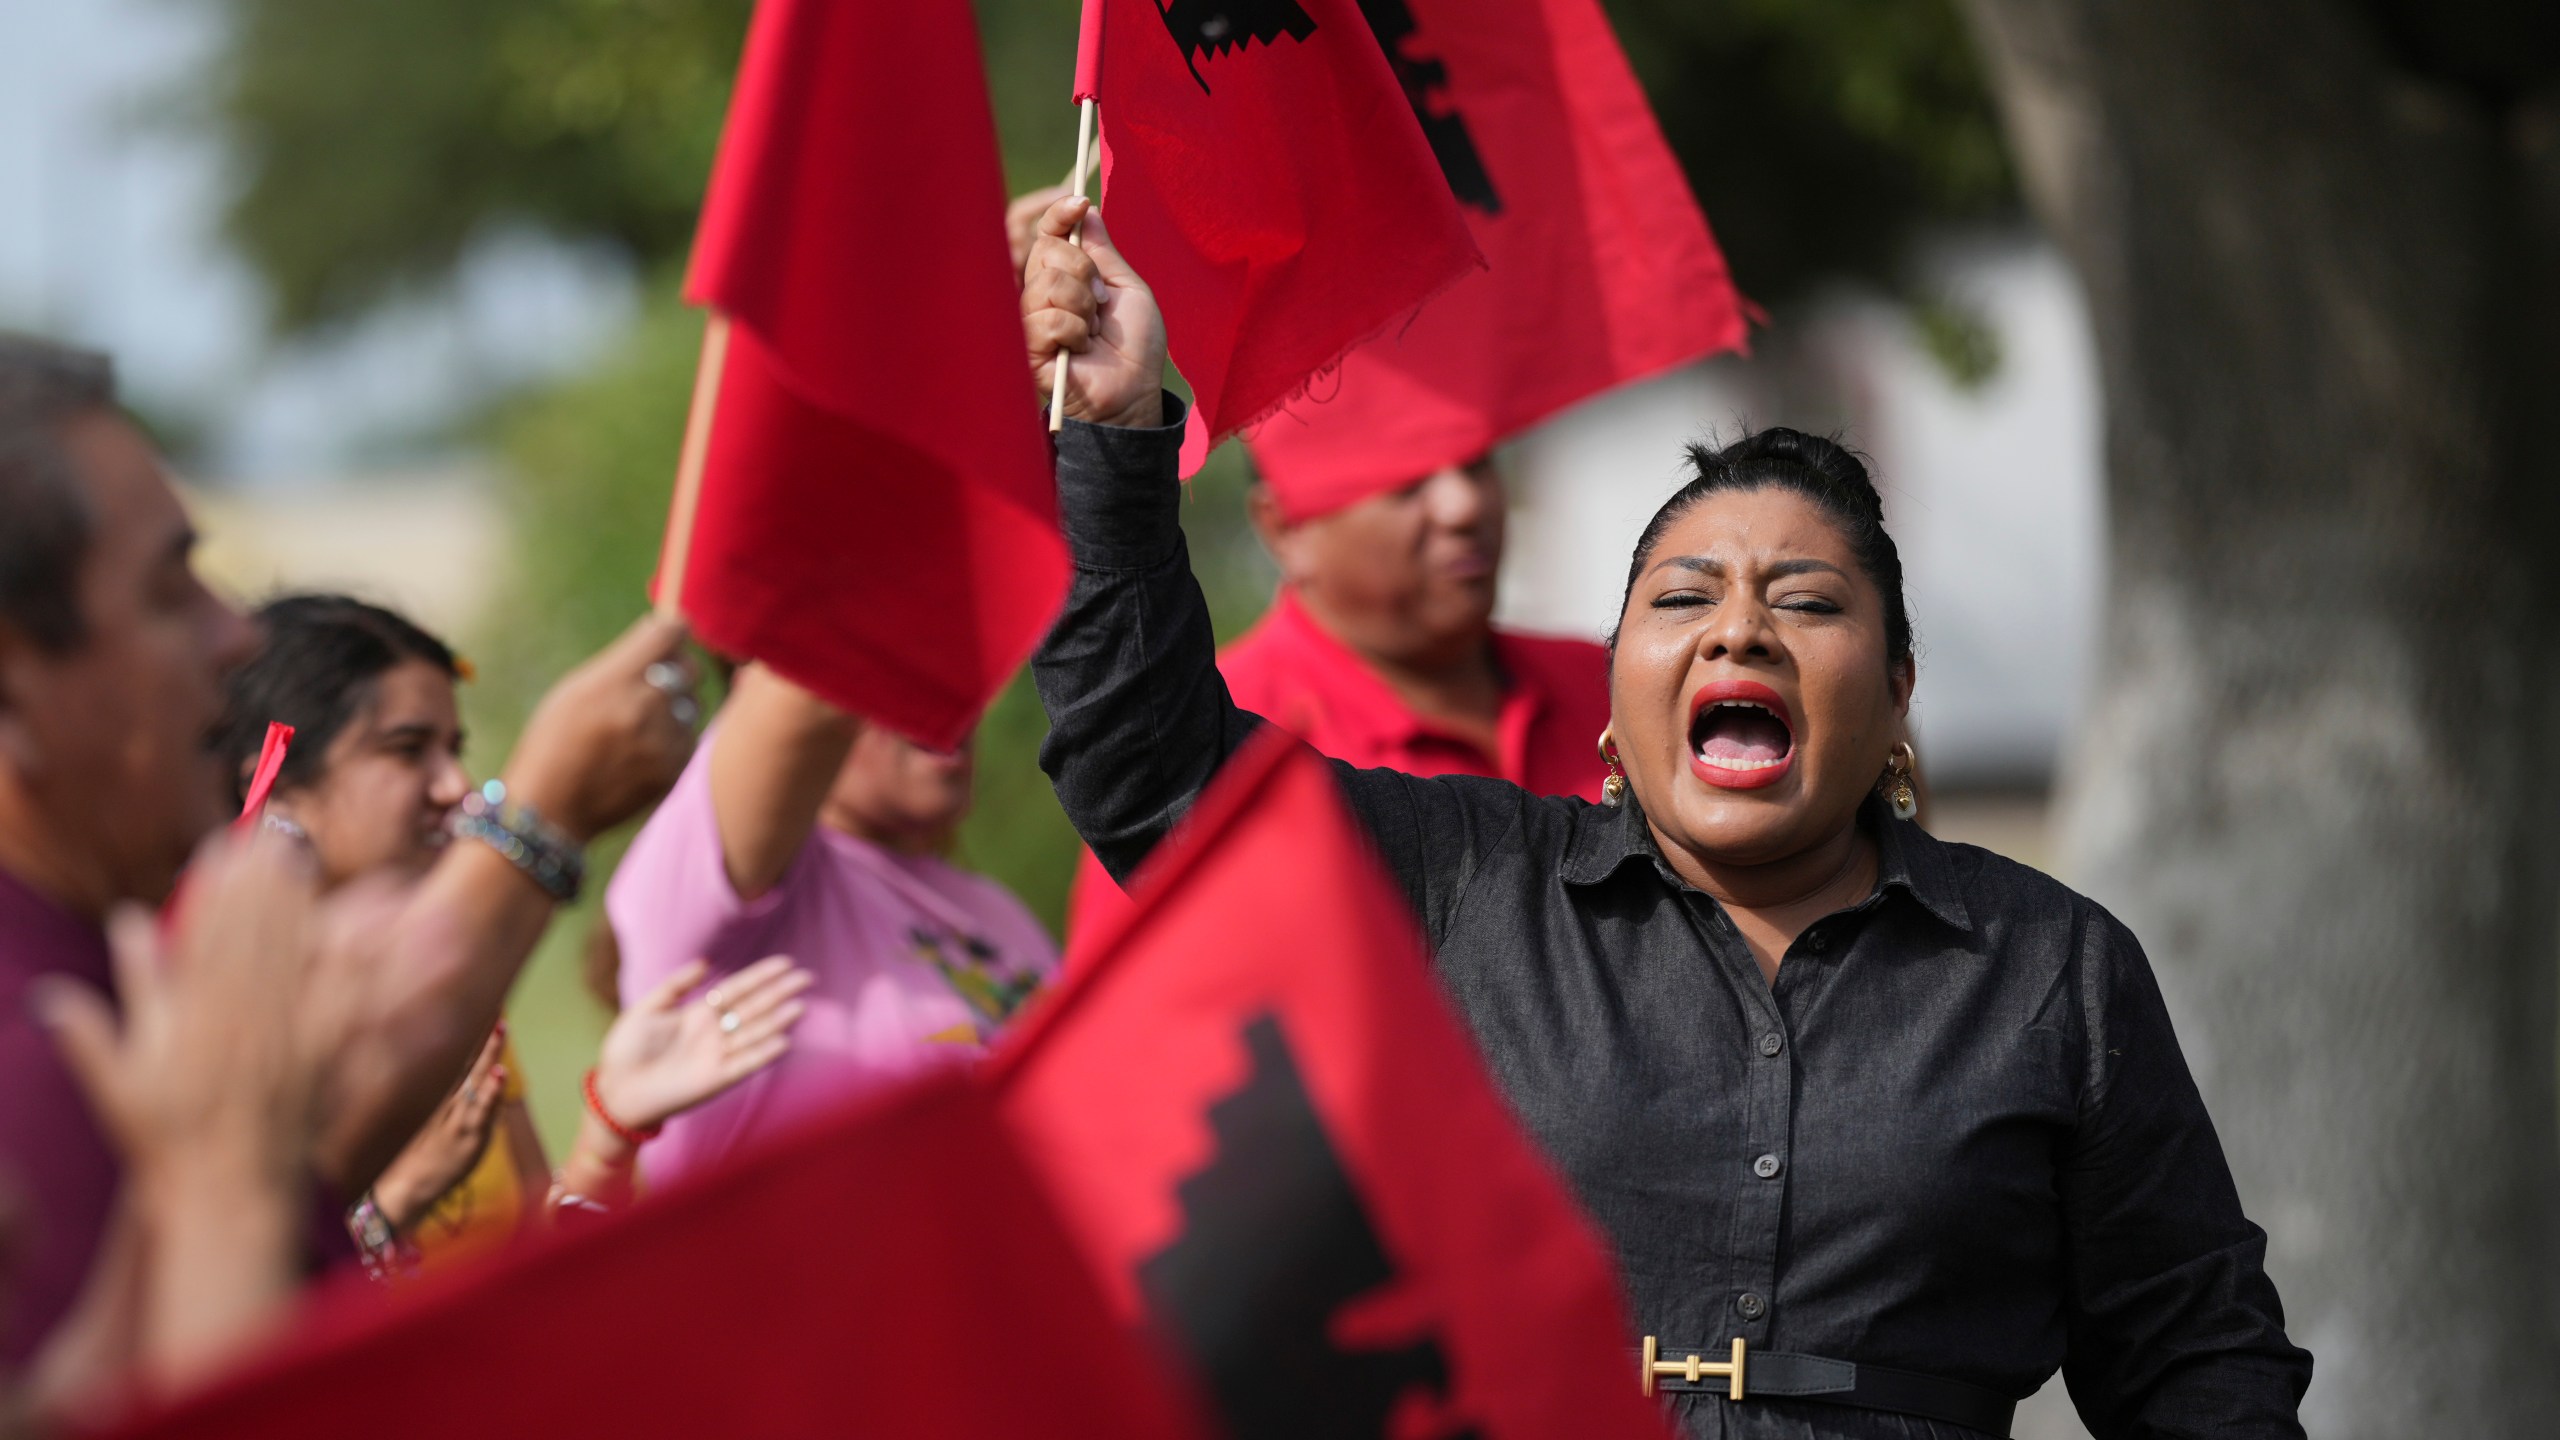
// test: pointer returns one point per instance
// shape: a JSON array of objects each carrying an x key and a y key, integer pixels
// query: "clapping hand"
[
  {"x": 209, "y": 1081},
  {"x": 216, "y": 1055},
  {"x": 666, "y": 1055},
  {"x": 450, "y": 1145}
]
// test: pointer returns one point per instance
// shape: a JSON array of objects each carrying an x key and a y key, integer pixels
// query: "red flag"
[
  {"x": 871, "y": 524},
  {"x": 1600, "y": 268},
  {"x": 1261, "y": 169},
  {"x": 1259, "y": 1117},
  {"x": 895, "y": 1273}
]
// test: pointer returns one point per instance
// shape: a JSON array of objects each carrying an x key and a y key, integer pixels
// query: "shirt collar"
[{"x": 1908, "y": 858}]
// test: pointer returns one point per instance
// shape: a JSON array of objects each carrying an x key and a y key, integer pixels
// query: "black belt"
[{"x": 1775, "y": 1374}]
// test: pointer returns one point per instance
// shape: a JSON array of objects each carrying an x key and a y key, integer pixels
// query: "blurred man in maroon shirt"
[
  {"x": 112, "y": 657},
  {"x": 112, "y": 653}
]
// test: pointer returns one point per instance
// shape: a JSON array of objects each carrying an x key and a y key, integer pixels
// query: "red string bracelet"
[{"x": 595, "y": 1107}]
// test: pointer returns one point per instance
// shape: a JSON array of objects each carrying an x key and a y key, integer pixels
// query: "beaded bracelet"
[
  {"x": 530, "y": 843},
  {"x": 635, "y": 1138},
  {"x": 386, "y": 1255}
]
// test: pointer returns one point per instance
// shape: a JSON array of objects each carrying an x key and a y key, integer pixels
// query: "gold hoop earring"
[
  {"x": 1613, "y": 791},
  {"x": 1899, "y": 764}
]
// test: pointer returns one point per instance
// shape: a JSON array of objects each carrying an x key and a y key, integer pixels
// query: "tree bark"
[{"x": 2320, "y": 771}]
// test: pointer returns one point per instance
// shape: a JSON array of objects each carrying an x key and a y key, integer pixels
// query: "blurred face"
[
  {"x": 1407, "y": 576},
  {"x": 113, "y": 774},
  {"x": 389, "y": 782},
  {"x": 896, "y": 793},
  {"x": 1750, "y": 694}
]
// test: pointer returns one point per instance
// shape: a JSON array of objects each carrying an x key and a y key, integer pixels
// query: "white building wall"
[{"x": 1993, "y": 494}]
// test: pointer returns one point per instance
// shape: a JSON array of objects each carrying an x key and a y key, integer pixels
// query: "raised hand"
[
  {"x": 664, "y": 1055},
  {"x": 612, "y": 735},
  {"x": 1088, "y": 302},
  {"x": 451, "y": 1144}
]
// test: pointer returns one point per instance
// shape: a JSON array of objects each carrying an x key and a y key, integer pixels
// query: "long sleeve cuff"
[{"x": 1120, "y": 491}]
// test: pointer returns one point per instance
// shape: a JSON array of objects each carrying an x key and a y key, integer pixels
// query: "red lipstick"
[{"x": 1733, "y": 773}]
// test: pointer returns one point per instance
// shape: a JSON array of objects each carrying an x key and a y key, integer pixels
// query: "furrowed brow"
[{"x": 1784, "y": 568}]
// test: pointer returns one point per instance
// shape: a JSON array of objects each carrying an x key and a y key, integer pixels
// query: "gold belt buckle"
[{"x": 1692, "y": 1369}]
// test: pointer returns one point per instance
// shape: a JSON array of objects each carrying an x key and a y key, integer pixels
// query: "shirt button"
[
  {"x": 1766, "y": 1167},
  {"x": 1750, "y": 1306},
  {"x": 1772, "y": 1043},
  {"x": 1817, "y": 942}
]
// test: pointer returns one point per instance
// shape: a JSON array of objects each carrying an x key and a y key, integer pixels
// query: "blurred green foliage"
[
  {"x": 1821, "y": 136},
  {"x": 374, "y": 142}
]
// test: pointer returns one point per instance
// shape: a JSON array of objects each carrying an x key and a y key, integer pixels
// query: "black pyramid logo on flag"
[
  {"x": 1275, "y": 1248},
  {"x": 1426, "y": 83},
  {"x": 1215, "y": 27}
]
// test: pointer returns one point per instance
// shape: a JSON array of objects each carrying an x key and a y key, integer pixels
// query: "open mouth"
[{"x": 1740, "y": 735}]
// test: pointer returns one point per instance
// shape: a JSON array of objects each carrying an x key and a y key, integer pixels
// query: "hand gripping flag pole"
[{"x": 1087, "y": 98}]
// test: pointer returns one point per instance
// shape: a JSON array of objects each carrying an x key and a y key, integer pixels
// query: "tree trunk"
[{"x": 2320, "y": 771}]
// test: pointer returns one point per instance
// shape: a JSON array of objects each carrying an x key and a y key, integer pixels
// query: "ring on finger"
[
  {"x": 666, "y": 677},
  {"x": 728, "y": 1022},
  {"x": 685, "y": 708}
]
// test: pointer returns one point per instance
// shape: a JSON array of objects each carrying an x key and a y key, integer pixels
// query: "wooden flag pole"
[
  {"x": 1084, "y": 156},
  {"x": 689, "y": 462}
]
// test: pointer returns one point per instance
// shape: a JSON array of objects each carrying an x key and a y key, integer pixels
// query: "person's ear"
[
  {"x": 1278, "y": 536},
  {"x": 1906, "y": 676}
]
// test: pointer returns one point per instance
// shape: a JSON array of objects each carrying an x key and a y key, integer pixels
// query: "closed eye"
[{"x": 1681, "y": 600}]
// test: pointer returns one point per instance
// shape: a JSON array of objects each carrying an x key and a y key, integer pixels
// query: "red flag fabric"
[
  {"x": 1263, "y": 172},
  {"x": 895, "y": 1273},
  {"x": 1258, "y": 1115},
  {"x": 1600, "y": 268},
  {"x": 1089, "y": 52},
  {"x": 877, "y": 518}
]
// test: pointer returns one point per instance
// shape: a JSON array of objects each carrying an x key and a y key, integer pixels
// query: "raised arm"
[
  {"x": 1139, "y": 719},
  {"x": 772, "y": 761}
]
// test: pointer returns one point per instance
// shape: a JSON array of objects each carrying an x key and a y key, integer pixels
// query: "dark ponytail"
[{"x": 1822, "y": 471}]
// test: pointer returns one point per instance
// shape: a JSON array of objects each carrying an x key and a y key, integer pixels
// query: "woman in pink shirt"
[{"x": 798, "y": 829}]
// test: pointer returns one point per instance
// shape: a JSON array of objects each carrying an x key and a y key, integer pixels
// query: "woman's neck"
[{"x": 1772, "y": 903}]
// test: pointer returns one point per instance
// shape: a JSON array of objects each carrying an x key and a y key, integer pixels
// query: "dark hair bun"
[{"x": 1820, "y": 469}]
